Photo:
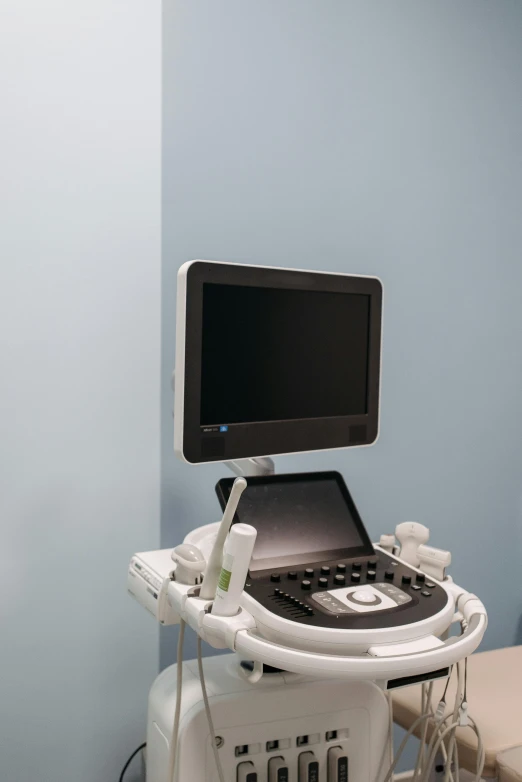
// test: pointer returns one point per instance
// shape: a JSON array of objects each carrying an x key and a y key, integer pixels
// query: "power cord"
[{"x": 129, "y": 761}]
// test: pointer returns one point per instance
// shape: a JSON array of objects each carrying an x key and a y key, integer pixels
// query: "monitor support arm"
[{"x": 258, "y": 465}]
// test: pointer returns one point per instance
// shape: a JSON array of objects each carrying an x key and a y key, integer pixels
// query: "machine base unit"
[{"x": 285, "y": 728}]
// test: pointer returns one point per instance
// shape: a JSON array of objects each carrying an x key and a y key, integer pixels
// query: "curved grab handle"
[{"x": 369, "y": 668}]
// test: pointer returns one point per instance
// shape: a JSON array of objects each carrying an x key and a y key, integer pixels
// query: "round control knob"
[
  {"x": 363, "y": 597},
  {"x": 372, "y": 564},
  {"x": 309, "y": 573},
  {"x": 341, "y": 567},
  {"x": 325, "y": 570},
  {"x": 421, "y": 578},
  {"x": 356, "y": 577},
  {"x": 356, "y": 566},
  {"x": 275, "y": 577},
  {"x": 339, "y": 579},
  {"x": 389, "y": 575},
  {"x": 406, "y": 579},
  {"x": 292, "y": 574},
  {"x": 305, "y": 584},
  {"x": 310, "y": 611},
  {"x": 323, "y": 582},
  {"x": 370, "y": 575},
  {"x": 277, "y": 591}
]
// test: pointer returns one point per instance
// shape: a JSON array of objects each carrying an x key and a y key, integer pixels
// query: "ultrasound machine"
[{"x": 321, "y": 624}]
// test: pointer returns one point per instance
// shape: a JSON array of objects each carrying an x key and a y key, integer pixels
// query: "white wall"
[{"x": 80, "y": 274}]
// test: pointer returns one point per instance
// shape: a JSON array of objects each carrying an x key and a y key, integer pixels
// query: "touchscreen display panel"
[{"x": 301, "y": 519}]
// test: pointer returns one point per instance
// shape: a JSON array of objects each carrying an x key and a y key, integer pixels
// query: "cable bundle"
[{"x": 443, "y": 737}]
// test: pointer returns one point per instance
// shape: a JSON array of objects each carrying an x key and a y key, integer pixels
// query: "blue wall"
[{"x": 376, "y": 138}]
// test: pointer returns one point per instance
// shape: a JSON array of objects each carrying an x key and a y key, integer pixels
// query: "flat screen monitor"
[
  {"x": 300, "y": 519},
  {"x": 272, "y": 361}
]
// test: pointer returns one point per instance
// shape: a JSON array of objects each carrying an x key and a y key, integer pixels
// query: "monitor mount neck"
[
  {"x": 244, "y": 468},
  {"x": 257, "y": 465}
]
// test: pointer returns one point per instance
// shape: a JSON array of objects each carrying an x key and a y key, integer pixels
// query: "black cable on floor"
[{"x": 127, "y": 764}]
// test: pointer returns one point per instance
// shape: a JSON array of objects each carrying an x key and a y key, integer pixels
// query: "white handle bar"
[{"x": 369, "y": 668}]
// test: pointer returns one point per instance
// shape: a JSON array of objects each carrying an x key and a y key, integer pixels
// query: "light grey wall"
[
  {"x": 377, "y": 138},
  {"x": 80, "y": 98}
]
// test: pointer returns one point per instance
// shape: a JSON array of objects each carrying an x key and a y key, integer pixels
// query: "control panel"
[{"x": 352, "y": 593}]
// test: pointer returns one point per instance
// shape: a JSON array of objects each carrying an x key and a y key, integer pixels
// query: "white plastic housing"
[
  {"x": 282, "y": 708},
  {"x": 148, "y": 578}
]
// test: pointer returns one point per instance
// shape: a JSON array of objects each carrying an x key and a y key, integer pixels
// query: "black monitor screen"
[
  {"x": 299, "y": 519},
  {"x": 274, "y": 354}
]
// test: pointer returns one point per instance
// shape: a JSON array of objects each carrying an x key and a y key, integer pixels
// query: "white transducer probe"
[
  {"x": 236, "y": 560},
  {"x": 190, "y": 563},
  {"x": 208, "y": 588},
  {"x": 411, "y": 535}
]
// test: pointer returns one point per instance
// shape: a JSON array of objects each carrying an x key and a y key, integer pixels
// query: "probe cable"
[
  {"x": 209, "y": 715},
  {"x": 437, "y": 739},
  {"x": 408, "y": 735},
  {"x": 459, "y": 700},
  {"x": 438, "y": 722},
  {"x": 422, "y": 718},
  {"x": 464, "y": 720},
  {"x": 177, "y": 712},
  {"x": 425, "y": 709}
]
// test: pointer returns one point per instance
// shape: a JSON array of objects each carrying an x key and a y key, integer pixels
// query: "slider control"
[
  {"x": 278, "y": 770},
  {"x": 246, "y": 772},
  {"x": 308, "y": 767},
  {"x": 337, "y": 765}
]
